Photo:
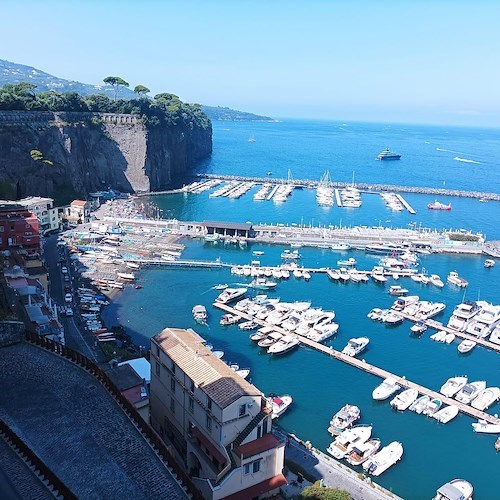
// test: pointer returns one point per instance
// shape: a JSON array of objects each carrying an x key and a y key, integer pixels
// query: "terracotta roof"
[
  {"x": 78, "y": 203},
  {"x": 188, "y": 351},
  {"x": 260, "y": 445},
  {"x": 214, "y": 451},
  {"x": 259, "y": 489}
]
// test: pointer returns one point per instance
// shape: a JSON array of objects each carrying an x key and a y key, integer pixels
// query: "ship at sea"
[
  {"x": 438, "y": 206},
  {"x": 388, "y": 155}
]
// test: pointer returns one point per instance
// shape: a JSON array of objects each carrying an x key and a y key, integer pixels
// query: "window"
[
  {"x": 209, "y": 423},
  {"x": 209, "y": 404},
  {"x": 157, "y": 351},
  {"x": 192, "y": 386},
  {"x": 256, "y": 466},
  {"x": 191, "y": 405},
  {"x": 173, "y": 367},
  {"x": 11, "y": 228},
  {"x": 2, "y": 229},
  {"x": 252, "y": 467},
  {"x": 172, "y": 405},
  {"x": 172, "y": 384},
  {"x": 158, "y": 369},
  {"x": 242, "y": 410}
]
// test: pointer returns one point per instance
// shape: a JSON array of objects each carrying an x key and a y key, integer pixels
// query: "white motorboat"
[
  {"x": 355, "y": 346},
  {"x": 397, "y": 290},
  {"x": 280, "y": 404},
  {"x": 456, "y": 280},
  {"x": 402, "y": 303},
  {"x": 404, "y": 400},
  {"x": 343, "y": 419},
  {"x": 392, "y": 318},
  {"x": 257, "y": 336},
  {"x": 449, "y": 338},
  {"x": 466, "y": 346},
  {"x": 200, "y": 313},
  {"x": 384, "y": 459},
  {"x": 378, "y": 276},
  {"x": 486, "y": 398},
  {"x": 482, "y": 426},
  {"x": 351, "y": 261},
  {"x": 363, "y": 451},
  {"x": 386, "y": 389},
  {"x": 489, "y": 263},
  {"x": 462, "y": 314},
  {"x": 436, "y": 281},
  {"x": 432, "y": 407},
  {"x": 262, "y": 284},
  {"x": 430, "y": 309},
  {"x": 340, "y": 246},
  {"x": 347, "y": 440},
  {"x": 269, "y": 340},
  {"x": 445, "y": 415},
  {"x": 419, "y": 327},
  {"x": 221, "y": 286},
  {"x": 229, "y": 319},
  {"x": 458, "y": 489},
  {"x": 375, "y": 314},
  {"x": 495, "y": 335},
  {"x": 439, "y": 336},
  {"x": 343, "y": 274},
  {"x": 126, "y": 276},
  {"x": 132, "y": 265},
  {"x": 291, "y": 323},
  {"x": 248, "y": 325},
  {"x": 320, "y": 333},
  {"x": 452, "y": 386},
  {"x": 333, "y": 274},
  {"x": 469, "y": 391},
  {"x": 419, "y": 404},
  {"x": 231, "y": 294},
  {"x": 284, "y": 345},
  {"x": 489, "y": 314},
  {"x": 290, "y": 255}
]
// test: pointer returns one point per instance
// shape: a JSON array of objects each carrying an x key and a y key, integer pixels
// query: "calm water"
[{"x": 434, "y": 453}]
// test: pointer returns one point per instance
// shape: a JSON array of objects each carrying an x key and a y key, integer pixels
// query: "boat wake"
[
  {"x": 457, "y": 158},
  {"x": 450, "y": 151}
]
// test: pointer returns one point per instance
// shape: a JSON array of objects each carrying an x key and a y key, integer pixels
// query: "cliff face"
[{"x": 72, "y": 154}]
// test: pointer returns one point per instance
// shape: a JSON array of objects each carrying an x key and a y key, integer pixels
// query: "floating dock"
[
  {"x": 366, "y": 367},
  {"x": 338, "y": 199},
  {"x": 406, "y": 204}
]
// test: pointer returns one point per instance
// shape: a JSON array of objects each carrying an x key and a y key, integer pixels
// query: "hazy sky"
[{"x": 379, "y": 60}]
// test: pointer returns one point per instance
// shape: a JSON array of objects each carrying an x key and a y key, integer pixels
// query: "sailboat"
[{"x": 251, "y": 139}]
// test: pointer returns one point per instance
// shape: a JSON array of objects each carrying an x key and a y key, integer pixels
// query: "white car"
[
  {"x": 64, "y": 270},
  {"x": 69, "y": 311},
  {"x": 68, "y": 298}
]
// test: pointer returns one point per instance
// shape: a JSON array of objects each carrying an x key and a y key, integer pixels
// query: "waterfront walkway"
[{"x": 366, "y": 367}]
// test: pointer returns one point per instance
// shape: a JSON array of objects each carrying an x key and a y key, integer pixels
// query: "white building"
[
  {"x": 43, "y": 208},
  {"x": 218, "y": 423}
]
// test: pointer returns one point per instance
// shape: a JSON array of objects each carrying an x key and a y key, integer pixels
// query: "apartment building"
[
  {"x": 49, "y": 217},
  {"x": 19, "y": 229},
  {"x": 218, "y": 423}
]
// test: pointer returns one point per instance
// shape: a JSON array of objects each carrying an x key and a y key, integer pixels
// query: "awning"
[
  {"x": 259, "y": 489},
  {"x": 213, "y": 450}
]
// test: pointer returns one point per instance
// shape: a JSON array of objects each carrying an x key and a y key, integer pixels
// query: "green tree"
[
  {"x": 116, "y": 82},
  {"x": 318, "y": 492},
  {"x": 141, "y": 90}
]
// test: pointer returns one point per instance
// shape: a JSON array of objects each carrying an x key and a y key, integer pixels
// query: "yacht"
[
  {"x": 438, "y": 206},
  {"x": 290, "y": 255},
  {"x": 397, "y": 290},
  {"x": 291, "y": 323},
  {"x": 384, "y": 459},
  {"x": 456, "y": 280},
  {"x": 375, "y": 314},
  {"x": 363, "y": 451},
  {"x": 462, "y": 314},
  {"x": 343, "y": 274},
  {"x": 269, "y": 340},
  {"x": 231, "y": 294},
  {"x": 200, "y": 314},
  {"x": 262, "y": 284},
  {"x": 436, "y": 281},
  {"x": 452, "y": 386},
  {"x": 320, "y": 333},
  {"x": 489, "y": 314},
  {"x": 477, "y": 328},
  {"x": 351, "y": 261},
  {"x": 347, "y": 440},
  {"x": 340, "y": 246},
  {"x": 280, "y": 404},
  {"x": 384, "y": 249},
  {"x": 432, "y": 407},
  {"x": 126, "y": 276},
  {"x": 469, "y": 391},
  {"x": 466, "y": 346},
  {"x": 495, "y": 335},
  {"x": 285, "y": 344},
  {"x": 344, "y": 418},
  {"x": 419, "y": 404},
  {"x": 402, "y": 303},
  {"x": 430, "y": 309},
  {"x": 419, "y": 327},
  {"x": 386, "y": 389},
  {"x": 248, "y": 325},
  {"x": 392, "y": 318},
  {"x": 486, "y": 398},
  {"x": 458, "y": 489},
  {"x": 333, "y": 274},
  {"x": 485, "y": 427},
  {"x": 489, "y": 263},
  {"x": 388, "y": 155},
  {"x": 445, "y": 415},
  {"x": 355, "y": 346},
  {"x": 378, "y": 276},
  {"x": 405, "y": 399}
]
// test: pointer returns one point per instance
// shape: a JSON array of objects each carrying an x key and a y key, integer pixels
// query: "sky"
[{"x": 409, "y": 61}]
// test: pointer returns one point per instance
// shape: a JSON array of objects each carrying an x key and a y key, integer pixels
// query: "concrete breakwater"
[{"x": 369, "y": 187}]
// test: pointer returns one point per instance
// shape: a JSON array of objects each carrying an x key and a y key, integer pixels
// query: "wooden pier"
[
  {"x": 366, "y": 367},
  {"x": 406, "y": 204}
]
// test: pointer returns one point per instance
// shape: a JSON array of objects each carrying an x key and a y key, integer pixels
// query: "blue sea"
[{"x": 434, "y": 453}]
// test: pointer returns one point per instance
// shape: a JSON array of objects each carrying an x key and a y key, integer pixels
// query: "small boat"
[
  {"x": 419, "y": 404},
  {"x": 397, "y": 290},
  {"x": 486, "y": 398},
  {"x": 229, "y": 319},
  {"x": 138, "y": 287},
  {"x": 248, "y": 325},
  {"x": 404, "y": 400},
  {"x": 218, "y": 354},
  {"x": 419, "y": 327},
  {"x": 375, "y": 314},
  {"x": 392, "y": 318},
  {"x": 436, "y": 281},
  {"x": 469, "y": 391},
  {"x": 432, "y": 407},
  {"x": 290, "y": 255},
  {"x": 355, "y": 346},
  {"x": 279, "y": 404},
  {"x": 222, "y": 286},
  {"x": 333, "y": 274},
  {"x": 269, "y": 340},
  {"x": 284, "y": 345},
  {"x": 262, "y": 284},
  {"x": 458, "y": 489},
  {"x": 200, "y": 314},
  {"x": 387, "y": 155},
  {"x": 386, "y": 389},
  {"x": 132, "y": 265},
  {"x": 482, "y": 426},
  {"x": 452, "y": 386},
  {"x": 340, "y": 246},
  {"x": 439, "y": 336},
  {"x": 445, "y": 415},
  {"x": 466, "y": 346},
  {"x": 343, "y": 419},
  {"x": 384, "y": 459},
  {"x": 230, "y": 294},
  {"x": 438, "y": 206},
  {"x": 449, "y": 338},
  {"x": 456, "y": 280},
  {"x": 126, "y": 276},
  {"x": 497, "y": 444},
  {"x": 363, "y": 451},
  {"x": 489, "y": 263},
  {"x": 351, "y": 261},
  {"x": 347, "y": 440}
]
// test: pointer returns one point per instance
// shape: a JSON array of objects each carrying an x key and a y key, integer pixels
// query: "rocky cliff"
[{"x": 65, "y": 155}]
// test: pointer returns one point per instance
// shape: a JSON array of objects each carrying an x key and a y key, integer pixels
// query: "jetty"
[
  {"x": 366, "y": 367},
  {"x": 338, "y": 198},
  {"x": 406, "y": 204}
]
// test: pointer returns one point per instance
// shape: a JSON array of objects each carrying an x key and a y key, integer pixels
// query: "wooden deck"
[{"x": 366, "y": 367}]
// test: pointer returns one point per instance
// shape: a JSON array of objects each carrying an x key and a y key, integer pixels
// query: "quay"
[
  {"x": 366, "y": 367},
  {"x": 406, "y": 204},
  {"x": 338, "y": 198}
]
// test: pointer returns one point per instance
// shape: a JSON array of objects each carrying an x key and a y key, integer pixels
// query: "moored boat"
[
  {"x": 469, "y": 391},
  {"x": 386, "y": 389},
  {"x": 458, "y": 489},
  {"x": 200, "y": 313},
  {"x": 452, "y": 386},
  {"x": 280, "y": 404},
  {"x": 355, "y": 346},
  {"x": 482, "y": 426},
  {"x": 432, "y": 407},
  {"x": 419, "y": 327},
  {"x": 404, "y": 400},
  {"x": 229, "y": 319},
  {"x": 466, "y": 346},
  {"x": 384, "y": 459},
  {"x": 363, "y": 451},
  {"x": 456, "y": 280},
  {"x": 419, "y": 404},
  {"x": 345, "y": 442},
  {"x": 436, "y": 281},
  {"x": 230, "y": 294},
  {"x": 283, "y": 345},
  {"x": 444, "y": 415},
  {"x": 343, "y": 419},
  {"x": 486, "y": 398}
]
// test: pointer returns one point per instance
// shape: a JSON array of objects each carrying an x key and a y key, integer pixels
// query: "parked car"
[
  {"x": 66, "y": 278},
  {"x": 64, "y": 270},
  {"x": 68, "y": 298},
  {"x": 69, "y": 311},
  {"x": 67, "y": 289}
]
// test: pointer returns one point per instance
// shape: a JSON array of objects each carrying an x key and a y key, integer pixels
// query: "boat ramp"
[{"x": 366, "y": 367}]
